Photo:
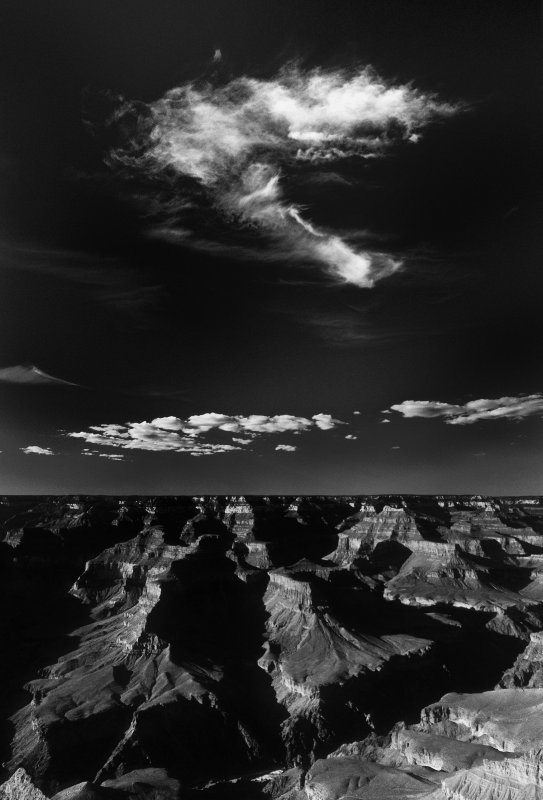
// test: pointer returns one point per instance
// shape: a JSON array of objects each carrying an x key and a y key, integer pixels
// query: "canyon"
[{"x": 296, "y": 648}]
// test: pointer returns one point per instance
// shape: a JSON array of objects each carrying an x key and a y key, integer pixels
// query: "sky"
[{"x": 256, "y": 247}]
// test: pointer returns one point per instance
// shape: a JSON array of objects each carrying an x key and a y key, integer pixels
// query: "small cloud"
[
  {"x": 350, "y": 436},
  {"x": 241, "y": 441},
  {"x": 479, "y": 454},
  {"x": 395, "y": 447},
  {"x": 326, "y": 422},
  {"x": 356, "y": 412},
  {"x": 30, "y": 375},
  {"x": 34, "y": 450},
  {"x": 111, "y": 456},
  {"x": 384, "y": 421},
  {"x": 288, "y": 448}
]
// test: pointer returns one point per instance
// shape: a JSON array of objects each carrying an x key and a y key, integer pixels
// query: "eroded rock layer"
[{"x": 300, "y": 648}]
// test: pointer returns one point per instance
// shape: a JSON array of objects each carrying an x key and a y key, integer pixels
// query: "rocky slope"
[{"x": 281, "y": 647}]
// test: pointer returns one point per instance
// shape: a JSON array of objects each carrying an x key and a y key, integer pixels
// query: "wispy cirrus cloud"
[
  {"x": 106, "y": 280},
  {"x": 515, "y": 408},
  {"x": 227, "y": 149},
  {"x": 189, "y": 435},
  {"x": 35, "y": 450},
  {"x": 30, "y": 375}
]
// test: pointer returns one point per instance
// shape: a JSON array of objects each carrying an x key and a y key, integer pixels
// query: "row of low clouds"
[
  {"x": 230, "y": 147},
  {"x": 111, "y": 456},
  {"x": 36, "y": 450},
  {"x": 188, "y": 435}
]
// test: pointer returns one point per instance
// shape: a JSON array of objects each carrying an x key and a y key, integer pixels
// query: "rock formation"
[
  {"x": 297, "y": 648},
  {"x": 20, "y": 787}
]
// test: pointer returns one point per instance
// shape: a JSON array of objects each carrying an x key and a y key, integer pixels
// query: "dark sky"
[{"x": 269, "y": 241}]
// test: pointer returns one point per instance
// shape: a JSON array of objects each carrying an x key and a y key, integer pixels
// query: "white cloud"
[
  {"x": 34, "y": 450},
  {"x": 326, "y": 422},
  {"x": 254, "y": 423},
  {"x": 30, "y": 375},
  {"x": 350, "y": 436},
  {"x": 425, "y": 408},
  {"x": 356, "y": 412},
  {"x": 146, "y": 436},
  {"x": 188, "y": 435},
  {"x": 168, "y": 423},
  {"x": 395, "y": 447},
  {"x": 236, "y": 140},
  {"x": 200, "y": 423},
  {"x": 288, "y": 448},
  {"x": 516, "y": 408},
  {"x": 384, "y": 421}
]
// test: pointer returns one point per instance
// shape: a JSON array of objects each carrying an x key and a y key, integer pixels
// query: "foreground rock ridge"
[{"x": 298, "y": 648}]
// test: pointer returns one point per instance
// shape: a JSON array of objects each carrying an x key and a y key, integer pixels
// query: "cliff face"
[
  {"x": 150, "y": 668},
  {"x": 527, "y": 670},
  {"x": 271, "y": 647},
  {"x": 321, "y": 665},
  {"x": 20, "y": 787}
]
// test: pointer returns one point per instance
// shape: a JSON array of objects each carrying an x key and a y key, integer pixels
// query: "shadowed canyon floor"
[{"x": 297, "y": 648}]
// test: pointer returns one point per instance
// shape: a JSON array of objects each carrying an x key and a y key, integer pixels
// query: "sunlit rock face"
[
  {"x": 299, "y": 648},
  {"x": 239, "y": 517},
  {"x": 511, "y": 779},
  {"x": 320, "y": 664},
  {"x": 527, "y": 671},
  {"x": 339, "y": 779},
  {"x": 132, "y": 664},
  {"x": 20, "y": 787},
  {"x": 361, "y": 533},
  {"x": 509, "y": 720}
]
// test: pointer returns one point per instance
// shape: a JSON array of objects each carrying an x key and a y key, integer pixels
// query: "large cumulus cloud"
[{"x": 227, "y": 148}]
